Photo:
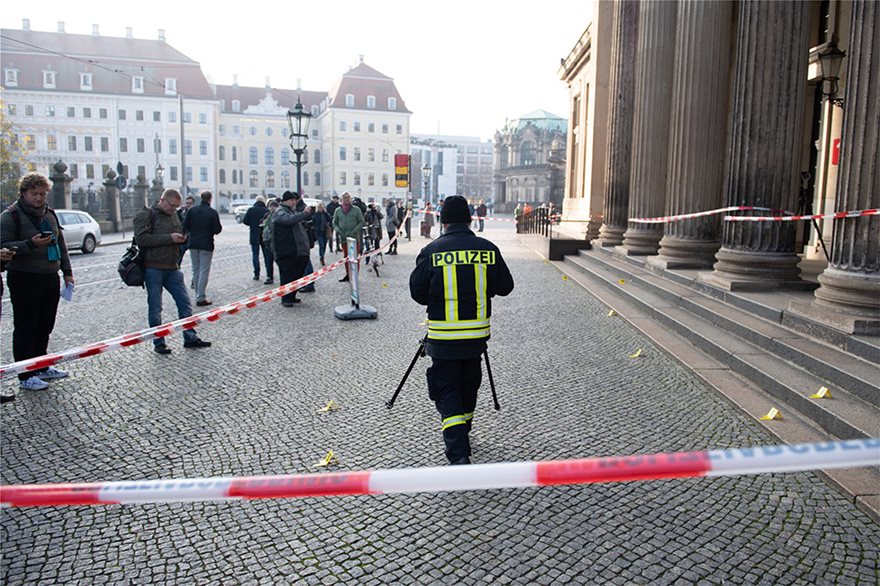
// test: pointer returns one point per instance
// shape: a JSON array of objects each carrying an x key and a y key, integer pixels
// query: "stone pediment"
[{"x": 268, "y": 105}]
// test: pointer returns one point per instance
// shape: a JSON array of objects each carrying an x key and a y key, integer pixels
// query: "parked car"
[
  {"x": 240, "y": 211},
  {"x": 80, "y": 230}
]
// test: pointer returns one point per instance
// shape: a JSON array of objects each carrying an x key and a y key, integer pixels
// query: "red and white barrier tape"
[
  {"x": 759, "y": 460},
  {"x": 665, "y": 219},
  {"x": 835, "y": 215}
]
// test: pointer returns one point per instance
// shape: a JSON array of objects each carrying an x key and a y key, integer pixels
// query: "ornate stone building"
[
  {"x": 530, "y": 161},
  {"x": 718, "y": 104}
]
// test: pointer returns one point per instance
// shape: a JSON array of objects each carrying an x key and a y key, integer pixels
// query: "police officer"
[{"x": 456, "y": 276}]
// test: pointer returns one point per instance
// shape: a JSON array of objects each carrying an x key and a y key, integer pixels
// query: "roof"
[
  {"x": 541, "y": 119},
  {"x": 253, "y": 96},
  {"x": 363, "y": 81},
  {"x": 113, "y": 61}
]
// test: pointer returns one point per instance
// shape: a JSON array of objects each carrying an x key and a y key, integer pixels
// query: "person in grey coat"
[{"x": 202, "y": 223}]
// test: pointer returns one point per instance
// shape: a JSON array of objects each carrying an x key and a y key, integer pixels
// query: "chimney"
[
  {"x": 162, "y": 34},
  {"x": 128, "y": 34},
  {"x": 268, "y": 85},
  {"x": 235, "y": 79},
  {"x": 362, "y": 58},
  {"x": 60, "y": 26},
  {"x": 299, "y": 83},
  {"x": 26, "y": 24},
  {"x": 95, "y": 30}
]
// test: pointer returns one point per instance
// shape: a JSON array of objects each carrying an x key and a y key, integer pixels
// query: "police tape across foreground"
[{"x": 724, "y": 462}]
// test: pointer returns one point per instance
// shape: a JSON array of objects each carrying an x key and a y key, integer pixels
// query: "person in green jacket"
[{"x": 348, "y": 221}]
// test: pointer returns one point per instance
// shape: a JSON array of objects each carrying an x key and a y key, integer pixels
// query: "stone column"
[
  {"x": 849, "y": 296},
  {"x": 650, "y": 142},
  {"x": 60, "y": 197},
  {"x": 113, "y": 202},
  {"x": 155, "y": 191},
  {"x": 141, "y": 189},
  {"x": 764, "y": 146},
  {"x": 700, "y": 97},
  {"x": 621, "y": 92}
]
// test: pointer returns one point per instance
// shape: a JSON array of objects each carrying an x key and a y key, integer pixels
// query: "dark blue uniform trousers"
[{"x": 453, "y": 385}]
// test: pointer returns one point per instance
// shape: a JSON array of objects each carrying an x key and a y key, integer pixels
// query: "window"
[
  {"x": 30, "y": 142},
  {"x": 50, "y": 111},
  {"x": 221, "y": 130},
  {"x": 392, "y": 103},
  {"x": 285, "y": 157},
  {"x": 317, "y": 155},
  {"x": 398, "y": 129},
  {"x": 371, "y": 102},
  {"x": 189, "y": 174},
  {"x": 253, "y": 179},
  {"x": 172, "y": 146},
  {"x": 10, "y": 109},
  {"x": 357, "y": 153},
  {"x": 172, "y": 172},
  {"x": 102, "y": 113},
  {"x": 342, "y": 126},
  {"x": 203, "y": 174},
  {"x": 87, "y": 144},
  {"x": 384, "y": 179},
  {"x": 252, "y": 156},
  {"x": 105, "y": 144},
  {"x": 371, "y": 127},
  {"x": 349, "y": 100},
  {"x": 222, "y": 152},
  {"x": 371, "y": 155},
  {"x": 357, "y": 126},
  {"x": 317, "y": 178},
  {"x": 170, "y": 86},
  {"x": 314, "y": 133},
  {"x": 123, "y": 145},
  {"x": 74, "y": 170},
  {"x": 234, "y": 177},
  {"x": 234, "y": 154},
  {"x": 270, "y": 179},
  {"x": 285, "y": 180},
  {"x": 203, "y": 148},
  {"x": 49, "y": 79},
  {"x": 139, "y": 115},
  {"x": 342, "y": 153},
  {"x": 357, "y": 178},
  {"x": 306, "y": 178},
  {"x": 222, "y": 175},
  {"x": 140, "y": 145},
  {"x": 141, "y": 172},
  {"x": 172, "y": 116},
  {"x": 87, "y": 112},
  {"x": 85, "y": 81},
  {"x": 52, "y": 142},
  {"x": 253, "y": 130},
  {"x": 90, "y": 171},
  {"x": 137, "y": 85},
  {"x": 268, "y": 131},
  {"x": 342, "y": 178},
  {"x": 29, "y": 110},
  {"x": 71, "y": 112},
  {"x": 71, "y": 143},
  {"x": 236, "y": 131},
  {"x": 188, "y": 146},
  {"x": 384, "y": 129},
  {"x": 157, "y": 116},
  {"x": 122, "y": 114},
  {"x": 11, "y": 76},
  {"x": 384, "y": 155},
  {"x": 187, "y": 117},
  {"x": 236, "y": 106},
  {"x": 203, "y": 118},
  {"x": 371, "y": 179},
  {"x": 269, "y": 156}
]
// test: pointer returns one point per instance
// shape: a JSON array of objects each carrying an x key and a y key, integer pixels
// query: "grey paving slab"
[{"x": 248, "y": 406}]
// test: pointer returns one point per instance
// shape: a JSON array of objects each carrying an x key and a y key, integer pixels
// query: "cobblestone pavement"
[{"x": 248, "y": 406}]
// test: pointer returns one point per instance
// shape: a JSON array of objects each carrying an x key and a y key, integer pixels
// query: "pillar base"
[
  {"x": 682, "y": 253},
  {"x": 611, "y": 235},
  {"x": 855, "y": 325},
  {"x": 857, "y": 294},
  {"x": 756, "y": 271},
  {"x": 640, "y": 242}
]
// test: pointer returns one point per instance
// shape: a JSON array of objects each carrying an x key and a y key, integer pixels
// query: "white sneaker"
[
  {"x": 52, "y": 373},
  {"x": 33, "y": 384}
]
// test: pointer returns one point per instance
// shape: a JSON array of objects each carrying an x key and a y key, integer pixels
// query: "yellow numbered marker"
[
  {"x": 384, "y": 285},
  {"x": 564, "y": 277},
  {"x": 330, "y": 406},
  {"x": 637, "y": 354},
  {"x": 327, "y": 460},
  {"x": 612, "y": 313},
  {"x": 772, "y": 414},
  {"x": 622, "y": 281},
  {"x": 822, "y": 393}
]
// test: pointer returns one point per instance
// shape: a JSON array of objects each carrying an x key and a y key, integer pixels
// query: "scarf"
[
  {"x": 346, "y": 207},
  {"x": 31, "y": 210}
]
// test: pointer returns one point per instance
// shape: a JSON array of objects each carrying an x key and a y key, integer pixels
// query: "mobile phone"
[{"x": 45, "y": 233}]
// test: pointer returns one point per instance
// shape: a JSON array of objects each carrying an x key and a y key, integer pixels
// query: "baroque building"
[{"x": 530, "y": 161}]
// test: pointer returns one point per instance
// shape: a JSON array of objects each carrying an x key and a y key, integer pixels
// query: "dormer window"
[
  {"x": 371, "y": 102},
  {"x": 11, "y": 77},
  {"x": 236, "y": 105},
  {"x": 314, "y": 111},
  {"x": 137, "y": 85},
  {"x": 170, "y": 86},
  {"x": 392, "y": 103},
  {"x": 49, "y": 80},
  {"x": 349, "y": 100},
  {"x": 85, "y": 81}
]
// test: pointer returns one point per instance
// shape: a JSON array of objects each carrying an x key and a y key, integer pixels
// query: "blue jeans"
[
  {"x": 157, "y": 279},
  {"x": 270, "y": 260},
  {"x": 255, "y": 258},
  {"x": 322, "y": 244}
]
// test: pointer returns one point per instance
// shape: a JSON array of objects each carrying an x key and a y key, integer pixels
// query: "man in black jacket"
[
  {"x": 202, "y": 223},
  {"x": 252, "y": 219},
  {"x": 331, "y": 209},
  {"x": 456, "y": 276},
  {"x": 290, "y": 242}
]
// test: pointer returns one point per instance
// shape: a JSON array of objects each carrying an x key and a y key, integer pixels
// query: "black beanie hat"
[
  {"x": 287, "y": 195},
  {"x": 455, "y": 211}
]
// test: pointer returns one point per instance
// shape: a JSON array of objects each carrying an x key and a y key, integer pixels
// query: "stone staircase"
[{"x": 751, "y": 351}]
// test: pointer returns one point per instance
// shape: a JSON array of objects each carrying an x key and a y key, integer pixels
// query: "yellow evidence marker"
[
  {"x": 330, "y": 406},
  {"x": 772, "y": 414},
  {"x": 822, "y": 393},
  {"x": 327, "y": 460},
  {"x": 637, "y": 354}
]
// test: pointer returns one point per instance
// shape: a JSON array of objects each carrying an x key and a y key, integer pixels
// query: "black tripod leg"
[
  {"x": 822, "y": 242},
  {"x": 419, "y": 353},
  {"x": 491, "y": 381}
]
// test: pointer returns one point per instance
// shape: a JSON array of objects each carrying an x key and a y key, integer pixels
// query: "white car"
[{"x": 80, "y": 230}]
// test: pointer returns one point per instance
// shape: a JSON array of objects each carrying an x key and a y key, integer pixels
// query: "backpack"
[
  {"x": 131, "y": 265},
  {"x": 266, "y": 226},
  {"x": 310, "y": 232}
]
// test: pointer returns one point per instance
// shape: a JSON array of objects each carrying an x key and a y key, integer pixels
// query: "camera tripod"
[{"x": 423, "y": 343}]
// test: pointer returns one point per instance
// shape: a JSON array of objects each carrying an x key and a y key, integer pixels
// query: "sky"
[{"x": 462, "y": 68}]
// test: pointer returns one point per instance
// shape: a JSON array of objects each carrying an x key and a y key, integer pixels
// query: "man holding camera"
[
  {"x": 290, "y": 242},
  {"x": 456, "y": 276}
]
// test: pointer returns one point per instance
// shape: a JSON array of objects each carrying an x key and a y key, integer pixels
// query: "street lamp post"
[
  {"x": 426, "y": 177},
  {"x": 298, "y": 121}
]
